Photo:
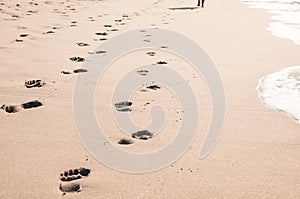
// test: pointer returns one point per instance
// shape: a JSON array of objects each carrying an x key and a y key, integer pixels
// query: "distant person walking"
[{"x": 202, "y": 3}]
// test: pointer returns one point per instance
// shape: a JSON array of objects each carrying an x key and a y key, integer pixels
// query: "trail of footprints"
[{"x": 70, "y": 180}]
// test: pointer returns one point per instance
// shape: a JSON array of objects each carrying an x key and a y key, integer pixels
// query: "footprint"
[
  {"x": 118, "y": 20},
  {"x": 153, "y": 87},
  {"x": 66, "y": 72},
  {"x": 142, "y": 72},
  {"x": 107, "y": 26},
  {"x": 56, "y": 27},
  {"x": 17, "y": 108},
  {"x": 125, "y": 141},
  {"x": 162, "y": 62},
  {"x": 142, "y": 135},
  {"x": 10, "y": 108},
  {"x": 100, "y": 52},
  {"x": 19, "y": 40},
  {"x": 80, "y": 70},
  {"x": 77, "y": 59},
  {"x": 163, "y": 47},
  {"x": 34, "y": 83},
  {"x": 114, "y": 30},
  {"x": 24, "y": 35},
  {"x": 32, "y": 104},
  {"x": 49, "y": 32},
  {"x": 67, "y": 178},
  {"x": 81, "y": 44},
  {"x": 151, "y": 53},
  {"x": 101, "y": 33},
  {"x": 123, "y": 106}
]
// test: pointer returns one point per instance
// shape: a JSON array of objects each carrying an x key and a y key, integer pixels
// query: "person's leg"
[
  {"x": 198, "y": 3},
  {"x": 202, "y": 3}
]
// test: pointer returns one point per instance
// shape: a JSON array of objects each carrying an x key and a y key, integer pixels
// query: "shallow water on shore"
[
  {"x": 281, "y": 90},
  {"x": 286, "y": 17}
]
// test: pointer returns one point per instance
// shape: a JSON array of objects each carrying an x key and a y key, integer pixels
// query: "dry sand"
[{"x": 257, "y": 154}]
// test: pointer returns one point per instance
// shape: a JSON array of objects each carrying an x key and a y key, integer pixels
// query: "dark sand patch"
[{"x": 184, "y": 8}]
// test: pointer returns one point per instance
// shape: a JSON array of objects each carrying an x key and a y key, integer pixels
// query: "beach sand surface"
[{"x": 257, "y": 154}]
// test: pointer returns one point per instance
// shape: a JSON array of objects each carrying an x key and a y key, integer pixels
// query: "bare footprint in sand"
[
  {"x": 142, "y": 135},
  {"x": 101, "y": 33},
  {"x": 34, "y": 83},
  {"x": 24, "y": 35},
  {"x": 77, "y": 59},
  {"x": 66, "y": 72},
  {"x": 80, "y": 70},
  {"x": 125, "y": 141},
  {"x": 67, "y": 178},
  {"x": 161, "y": 62},
  {"x": 123, "y": 106},
  {"x": 82, "y": 44},
  {"x": 49, "y": 32},
  {"x": 151, "y": 53},
  {"x": 17, "y": 108},
  {"x": 153, "y": 87},
  {"x": 100, "y": 52},
  {"x": 142, "y": 72}
]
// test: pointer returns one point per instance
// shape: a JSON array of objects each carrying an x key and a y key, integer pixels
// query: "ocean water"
[
  {"x": 286, "y": 17},
  {"x": 281, "y": 90}
]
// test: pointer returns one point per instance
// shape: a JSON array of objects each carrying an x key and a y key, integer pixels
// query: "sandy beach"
[{"x": 257, "y": 154}]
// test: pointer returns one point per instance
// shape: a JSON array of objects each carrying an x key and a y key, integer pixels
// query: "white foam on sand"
[
  {"x": 281, "y": 91},
  {"x": 286, "y": 17}
]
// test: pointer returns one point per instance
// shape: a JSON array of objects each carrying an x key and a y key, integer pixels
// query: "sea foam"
[
  {"x": 281, "y": 91},
  {"x": 286, "y": 17}
]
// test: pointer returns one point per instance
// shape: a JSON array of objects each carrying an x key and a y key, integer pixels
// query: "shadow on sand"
[{"x": 184, "y": 8}]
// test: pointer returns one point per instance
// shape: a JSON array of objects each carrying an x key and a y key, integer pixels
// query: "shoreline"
[{"x": 256, "y": 154}]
